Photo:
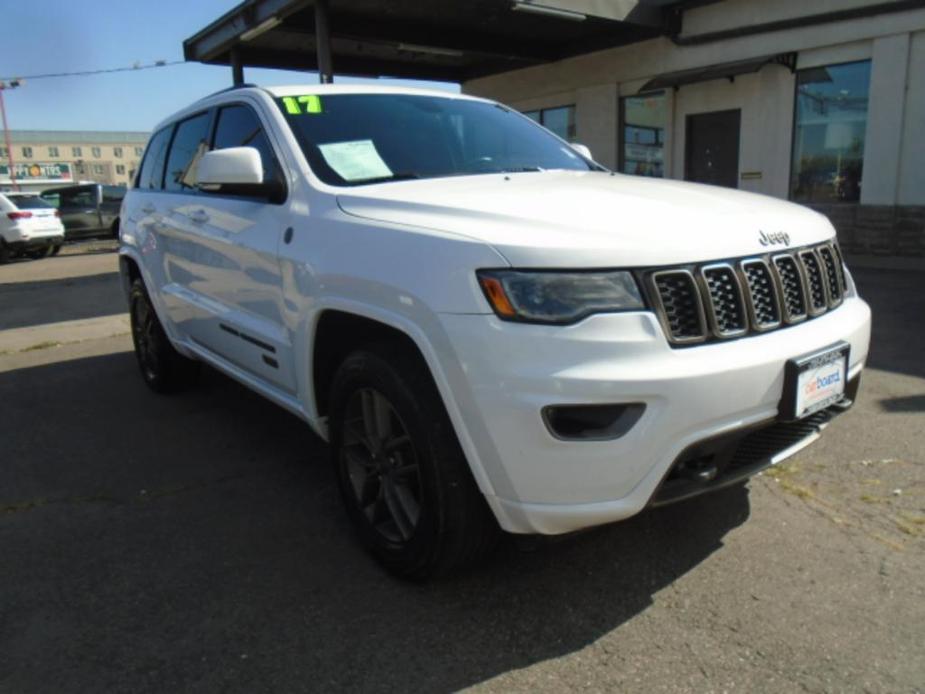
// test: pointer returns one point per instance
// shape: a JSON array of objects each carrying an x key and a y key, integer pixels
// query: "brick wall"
[{"x": 882, "y": 230}]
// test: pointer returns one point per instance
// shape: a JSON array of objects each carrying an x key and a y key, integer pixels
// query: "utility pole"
[{"x": 6, "y": 131}]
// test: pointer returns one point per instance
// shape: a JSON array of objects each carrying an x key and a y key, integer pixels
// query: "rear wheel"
[
  {"x": 163, "y": 368},
  {"x": 402, "y": 474},
  {"x": 55, "y": 249},
  {"x": 40, "y": 253},
  {"x": 5, "y": 254}
]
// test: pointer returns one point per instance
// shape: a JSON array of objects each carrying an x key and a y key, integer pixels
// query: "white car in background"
[
  {"x": 29, "y": 227},
  {"x": 490, "y": 329}
]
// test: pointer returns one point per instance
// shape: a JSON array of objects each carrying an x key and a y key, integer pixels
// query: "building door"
[{"x": 712, "y": 154}]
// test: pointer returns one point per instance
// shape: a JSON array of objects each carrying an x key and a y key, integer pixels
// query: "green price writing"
[{"x": 297, "y": 105}]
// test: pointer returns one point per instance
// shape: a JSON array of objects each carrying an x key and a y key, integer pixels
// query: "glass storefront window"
[
  {"x": 560, "y": 121},
  {"x": 828, "y": 136},
  {"x": 644, "y": 119}
]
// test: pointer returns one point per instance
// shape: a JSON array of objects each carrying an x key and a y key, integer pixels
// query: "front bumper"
[{"x": 537, "y": 483}]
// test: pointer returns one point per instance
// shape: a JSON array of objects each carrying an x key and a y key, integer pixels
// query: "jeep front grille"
[{"x": 721, "y": 301}]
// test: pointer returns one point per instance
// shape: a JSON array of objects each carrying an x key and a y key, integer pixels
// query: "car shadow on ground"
[
  {"x": 898, "y": 303},
  {"x": 197, "y": 541},
  {"x": 73, "y": 298}
]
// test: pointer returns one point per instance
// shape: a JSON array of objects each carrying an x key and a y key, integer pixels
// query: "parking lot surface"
[{"x": 196, "y": 542}]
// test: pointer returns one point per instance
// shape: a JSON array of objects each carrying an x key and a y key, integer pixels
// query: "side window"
[
  {"x": 80, "y": 197},
  {"x": 189, "y": 144},
  {"x": 113, "y": 194},
  {"x": 238, "y": 126},
  {"x": 152, "y": 168}
]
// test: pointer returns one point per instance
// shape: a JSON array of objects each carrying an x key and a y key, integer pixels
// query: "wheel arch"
[{"x": 342, "y": 329}]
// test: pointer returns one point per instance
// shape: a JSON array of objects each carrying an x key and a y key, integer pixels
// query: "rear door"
[
  {"x": 144, "y": 209},
  {"x": 79, "y": 207}
]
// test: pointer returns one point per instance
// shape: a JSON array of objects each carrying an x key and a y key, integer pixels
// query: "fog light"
[{"x": 591, "y": 422}]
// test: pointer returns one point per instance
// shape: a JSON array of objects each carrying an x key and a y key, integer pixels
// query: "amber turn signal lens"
[{"x": 494, "y": 291}]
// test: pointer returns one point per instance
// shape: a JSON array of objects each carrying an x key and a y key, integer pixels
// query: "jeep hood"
[{"x": 590, "y": 219}]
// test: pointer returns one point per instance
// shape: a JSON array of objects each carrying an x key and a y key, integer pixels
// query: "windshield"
[{"x": 355, "y": 139}]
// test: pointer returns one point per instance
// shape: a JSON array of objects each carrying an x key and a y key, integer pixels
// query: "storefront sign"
[{"x": 27, "y": 173}]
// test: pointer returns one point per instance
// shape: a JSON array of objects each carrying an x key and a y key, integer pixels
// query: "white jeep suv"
[{"x": 489, "y": 329}]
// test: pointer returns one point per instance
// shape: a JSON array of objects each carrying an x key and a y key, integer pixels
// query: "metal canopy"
[
  {"x": 453, "y": 40},
  {"x": 719, "y": 71}
]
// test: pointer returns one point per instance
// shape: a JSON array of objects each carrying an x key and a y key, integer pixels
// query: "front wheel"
[
  {"x": 401, "y": 472},
  {"x": 163, "y": 368},
  {"x": 55, "y": 249}
]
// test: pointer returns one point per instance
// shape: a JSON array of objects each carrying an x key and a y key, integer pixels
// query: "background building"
[
  {"x": 48, "y": 158},
  {"x": 819, "y": 103}
]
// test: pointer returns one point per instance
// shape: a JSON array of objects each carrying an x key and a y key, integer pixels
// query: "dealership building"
[
  {"x": 50, "y": 158},
  {"x": 821, "y": 102}
]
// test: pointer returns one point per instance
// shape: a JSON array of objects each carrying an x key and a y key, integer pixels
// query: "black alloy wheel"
[
  {"x": 163, "y": 368},
  {"x": 381, "y": 464},
  {"x": 404, "y": 479}
]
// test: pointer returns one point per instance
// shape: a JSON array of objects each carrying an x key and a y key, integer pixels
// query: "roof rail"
[{"x": 243, "y": 85}]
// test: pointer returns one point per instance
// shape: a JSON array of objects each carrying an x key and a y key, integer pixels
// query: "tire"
[
  {"x": 114, "y": 230},
  {"x": 401, "y": 472},
  {"x": 39, "y": 254},
  {"x": 4, "y": 252},
  {"x": 163, "y": 369},
  {"x": 55, "y": 249}
]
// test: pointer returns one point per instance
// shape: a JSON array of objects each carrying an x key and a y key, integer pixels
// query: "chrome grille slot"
[
  {"x": 841, "y": 268},
  {"x": 681, "y": 306},
  {"x": 818, "y": 298},
  {"x": 763, "y": 302},
  {"x": 725, "y": 308},
  {"x": 833, "y": 277},
  {"x": 792, "y": 286}
]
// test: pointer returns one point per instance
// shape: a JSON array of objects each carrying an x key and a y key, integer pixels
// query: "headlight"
[{"x": 536, "y": 296}]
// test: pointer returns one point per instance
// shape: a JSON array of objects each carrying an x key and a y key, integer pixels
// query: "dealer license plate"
[{"x": 815, "y": 381}]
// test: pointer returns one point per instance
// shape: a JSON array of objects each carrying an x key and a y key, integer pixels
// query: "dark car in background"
[{"x": 89, "y": 210}]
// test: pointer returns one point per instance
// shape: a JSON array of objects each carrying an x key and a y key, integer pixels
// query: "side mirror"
[
  {"x": 236, "y": 171},
  {"x": 582, "y": 150}
]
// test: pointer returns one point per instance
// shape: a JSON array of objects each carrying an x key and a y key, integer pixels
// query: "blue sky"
[{"x": 42, "y": 36}]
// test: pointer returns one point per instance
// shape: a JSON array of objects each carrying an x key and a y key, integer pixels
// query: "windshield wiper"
[
  {"x": 521, "y": 169},
  {"x": 400, "y": 176}
]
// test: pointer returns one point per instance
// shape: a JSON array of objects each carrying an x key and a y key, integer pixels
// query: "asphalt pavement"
[{"x": 196, "y": 542}]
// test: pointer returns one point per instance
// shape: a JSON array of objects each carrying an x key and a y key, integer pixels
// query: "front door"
[
  {"x": 222, "y": 268},
  {"x": 713, "y": 148}
]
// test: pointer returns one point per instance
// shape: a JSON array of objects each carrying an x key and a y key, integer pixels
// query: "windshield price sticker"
[
  {"x": 357, "y": 160},
  {"x": 298, "y": 105}
]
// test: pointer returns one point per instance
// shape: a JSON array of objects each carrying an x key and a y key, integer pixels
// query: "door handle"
[
  {"x": 148, "y": 209},
  {"x": 199, "y": 217}
]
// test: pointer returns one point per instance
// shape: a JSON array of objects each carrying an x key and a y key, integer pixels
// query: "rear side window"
[
  {"x": 238, "y": 126},
  {"x": 79, "y": 197},
  {"x": 52, "y": 197},
  {"x": 189, "y": 144},
  {"x": 113, "y": 194},
  {"x": 152, "y": 168}
]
